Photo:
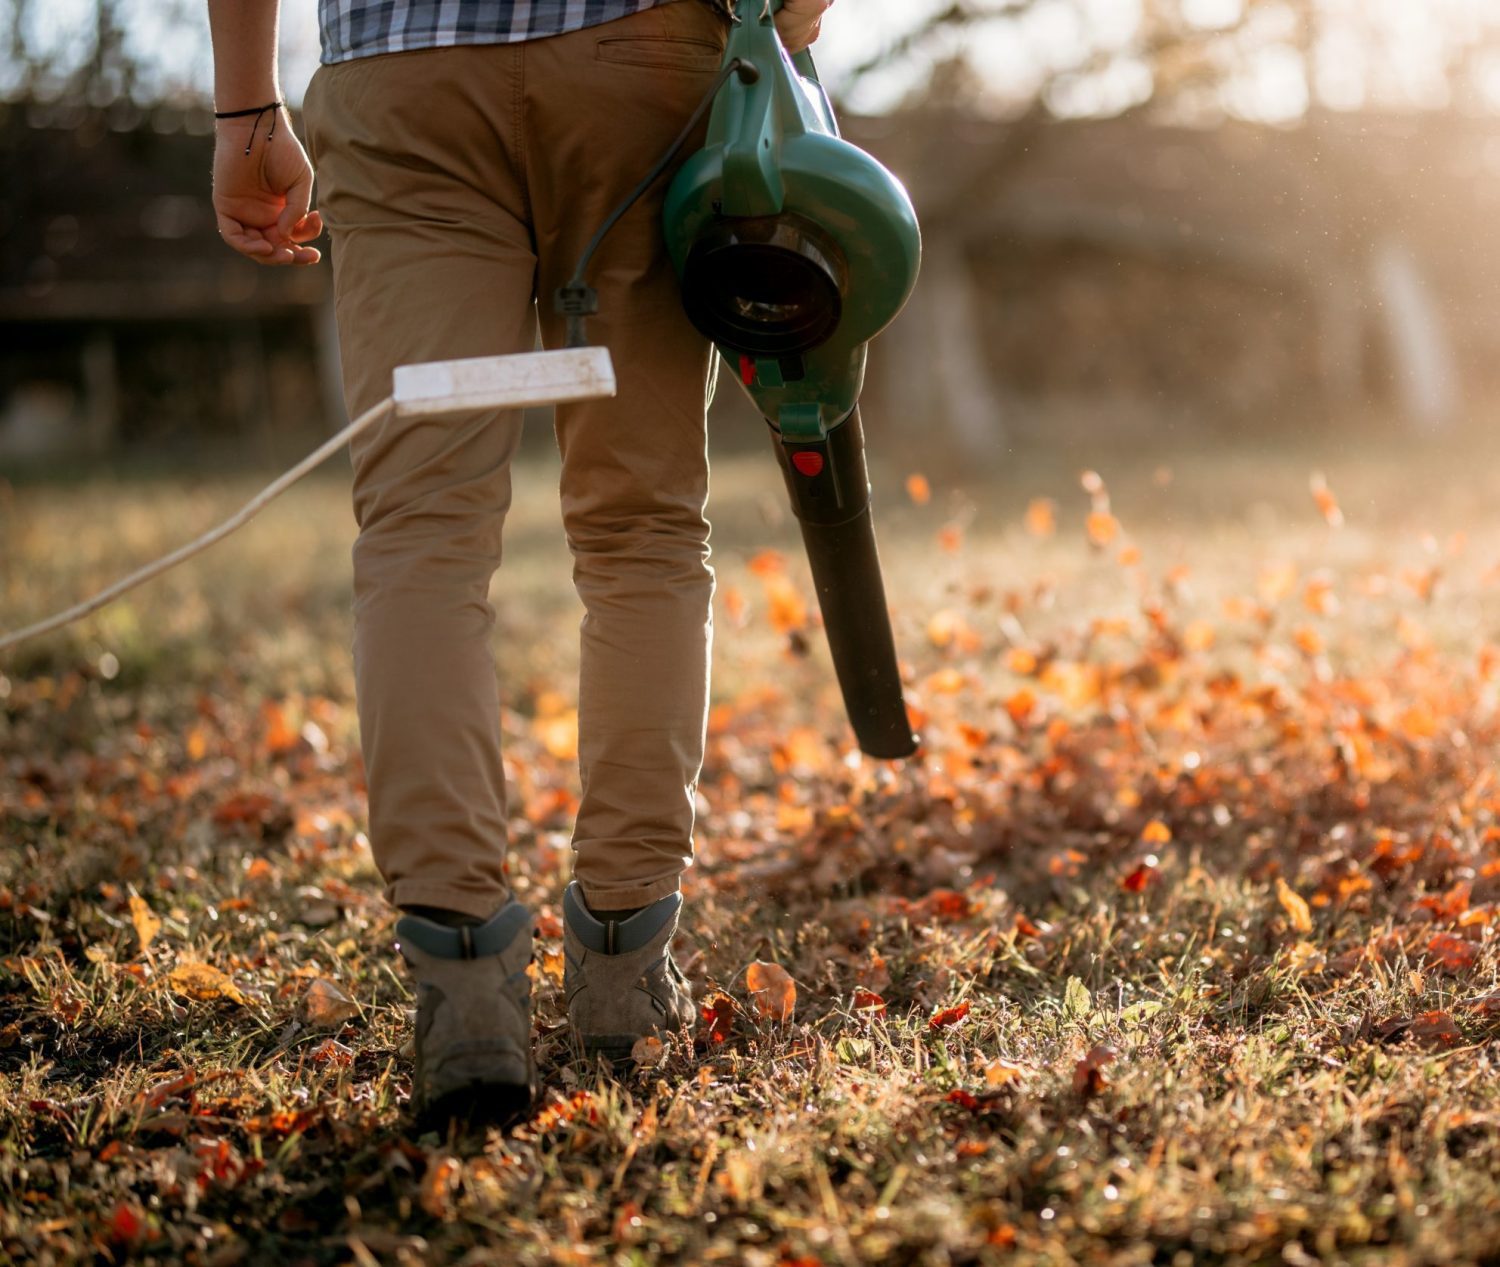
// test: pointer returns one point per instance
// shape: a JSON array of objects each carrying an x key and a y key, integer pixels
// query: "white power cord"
[
  {"x": 426, "y": 390},
  {"x": 237, "y": 520}
]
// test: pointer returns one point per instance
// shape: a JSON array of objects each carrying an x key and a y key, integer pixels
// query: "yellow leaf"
[
  {"x": 203, "y": 982},
  {"x": 773, "y": 993},
  {"x": 147, "y": 923},
  {"x": 1295, "y": 905},
  {"x": 999, "y": 1072}
]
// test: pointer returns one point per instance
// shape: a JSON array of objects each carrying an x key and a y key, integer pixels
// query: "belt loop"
[{"x": 466, "y": 937}]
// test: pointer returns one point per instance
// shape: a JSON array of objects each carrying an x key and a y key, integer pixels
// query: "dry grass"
[{"x": 1134, "y": 771}]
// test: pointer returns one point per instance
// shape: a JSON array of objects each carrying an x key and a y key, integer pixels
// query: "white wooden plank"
[{"x": 503, "y": 382}]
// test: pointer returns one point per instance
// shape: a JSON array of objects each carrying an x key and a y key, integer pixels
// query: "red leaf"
[
  {"x": 868, "y": 1001},
  {"x": 1454, "y": 953},
  {"x": 948, "y": 1016},
  {"x": 1140, "y": 879},
  {"x": 718, "y": 1013},
  {"x": 126, "y": 1224},
  {"x": 961, "y": 1097}
]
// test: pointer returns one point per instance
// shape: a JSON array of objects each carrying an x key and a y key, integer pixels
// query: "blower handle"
[{"x": 830, "y": 492}]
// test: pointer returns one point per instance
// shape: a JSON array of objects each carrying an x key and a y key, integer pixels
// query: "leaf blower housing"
[{"x": 794, "y": 249}]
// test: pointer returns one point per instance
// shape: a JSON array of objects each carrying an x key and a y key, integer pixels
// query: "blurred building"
[
  {"x": 1239, "y": 272},
  {"x": 124, "y": 319},
  {"x": 1232, "y": 274}
]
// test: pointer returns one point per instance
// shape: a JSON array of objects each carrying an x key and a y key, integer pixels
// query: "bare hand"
[
  {"x": 799, "y": 21},
  {"x": 262, "y": 199}
]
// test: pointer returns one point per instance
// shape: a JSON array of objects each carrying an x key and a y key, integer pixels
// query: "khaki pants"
[{"x": 459, "y": 185}]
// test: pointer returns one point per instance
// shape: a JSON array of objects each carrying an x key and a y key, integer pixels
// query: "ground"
[{"x": 1178, "y": 943}]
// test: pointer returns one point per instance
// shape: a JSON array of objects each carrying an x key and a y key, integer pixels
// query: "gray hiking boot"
[
  {"x": 473, "y": 1039},
  {"x": 620, "y": 978}
]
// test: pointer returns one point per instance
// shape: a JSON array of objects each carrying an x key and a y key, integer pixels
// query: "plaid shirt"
[{"x": 360, "y": 28}]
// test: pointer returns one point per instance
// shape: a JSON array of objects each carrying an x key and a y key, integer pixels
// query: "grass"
[{"x": 1177, "y": 945}]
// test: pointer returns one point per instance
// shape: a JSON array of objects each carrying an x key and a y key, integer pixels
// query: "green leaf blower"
[{"x": 794, "y": 249}]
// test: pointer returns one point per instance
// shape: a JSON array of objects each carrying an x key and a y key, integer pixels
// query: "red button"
[{"x": 809, "y": 462}]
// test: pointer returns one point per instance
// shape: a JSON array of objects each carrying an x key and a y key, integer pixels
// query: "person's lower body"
[{"x": 460, "y": 186}]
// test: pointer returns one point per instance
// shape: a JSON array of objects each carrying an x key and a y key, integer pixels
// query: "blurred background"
[{"x": 1142, "y": 218}]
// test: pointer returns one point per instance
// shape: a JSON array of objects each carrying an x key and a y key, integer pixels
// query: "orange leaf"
[
  {"x": 1103, "y": 527},
  {"x": 1309, "y": 641},
  {"x": 868, "y": 1001},
  {"x": 918, "y": 489},
  {"x": 329, "y": 1052},
  {"x": 1295, "y": 905},
  {"x": 999, "y": 1072},
  {"x": 1020, "y": 706},
  {"x": 767, "y": 563},
  {"x": 558, "y": 734},
  {"x": 947, "y": 1016},
  {"x": 439, "y": 1185},
  {"x": 1327, "y": 503},
  {"x": 788, "y": 611},
  {"x": 1041, "y": 517},
  {"x": 951, "y": 539},
  {"x": 1156, "y": 832},
  {"x": 147, "y": 924},
  {"x": 773, "y": 993},
  {"x": 280, "y": 735}
]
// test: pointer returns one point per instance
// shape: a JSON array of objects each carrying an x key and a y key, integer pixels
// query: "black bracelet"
[{"x": 257, "y": 111}]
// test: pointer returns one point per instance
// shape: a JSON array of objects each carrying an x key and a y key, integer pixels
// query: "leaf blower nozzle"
[{"x": 794, "y": 249}]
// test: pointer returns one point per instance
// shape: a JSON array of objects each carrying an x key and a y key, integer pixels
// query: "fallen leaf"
[
  {"x": 1436, "y": 1029},
  {"x": 1103, "y": 528},
  {"x": 1041, "y": 517},
  {"x": 439, "y": 1184},
  {"x": 918, "y": 489},
  {"x": 280, "y": 736},
  {"x": 1295, "y": 905},
  {"x": 999, "y": 1073},
  {"x": 1088, "y": 1074},
  {"x": 868, "y": 1001},
  {"x": 718, "y": 1012},
  {"x": 1453, "y": 952},
  {"x": 203, "y": 982},
  {"x": 773, "y": 993},
  {"x": 147, "y": 923},
  {"x": 948, "y": 1016},
  {"x": 648, "y": 1051},
  {"x": 332, "y": 1052},
  {"x": 324, "y": 1003},
  {"x": 1327, "y": 503}
]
